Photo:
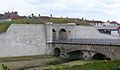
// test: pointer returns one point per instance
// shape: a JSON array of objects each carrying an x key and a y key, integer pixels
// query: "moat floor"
[
  {"x": 44, "y": 62},
  {"x": 20, "y": 63},
  {"x": 37, "y": 62}
]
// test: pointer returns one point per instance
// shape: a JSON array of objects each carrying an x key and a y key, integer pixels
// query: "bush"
[{"x": 4, "y": 67}]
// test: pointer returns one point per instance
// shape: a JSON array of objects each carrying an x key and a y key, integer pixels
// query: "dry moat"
[{"x": 46, "y": 62}]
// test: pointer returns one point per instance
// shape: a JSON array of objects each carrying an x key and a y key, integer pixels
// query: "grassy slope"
[
  {"x": 4, "y": 25},
  {"x": 88, "y": 65},
  {"x": 69, "y": 20},
  {"x": 28, "y": 21}
]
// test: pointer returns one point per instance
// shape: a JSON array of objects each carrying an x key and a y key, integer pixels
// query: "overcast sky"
[{"x": 89, "y": 9}]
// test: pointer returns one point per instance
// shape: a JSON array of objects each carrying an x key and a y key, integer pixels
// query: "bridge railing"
[{"x": 90, "y": 41}]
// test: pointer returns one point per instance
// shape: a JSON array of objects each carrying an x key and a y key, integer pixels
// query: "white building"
[{"x": 108, "y": 28}]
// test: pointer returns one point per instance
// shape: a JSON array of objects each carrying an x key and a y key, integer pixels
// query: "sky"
[{"x": 89, "y": 9}]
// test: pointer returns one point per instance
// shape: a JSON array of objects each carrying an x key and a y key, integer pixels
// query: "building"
[
  {"x": 108, "y": 28},
  {"x": 107, "y": 24},
  {"x": 94, "y": 22},
  {"x": 9, "y": 15}
]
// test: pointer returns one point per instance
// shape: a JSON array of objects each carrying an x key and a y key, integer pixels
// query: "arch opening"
[
  {"x": 99, "y": 56},
  {"x": 57, "y": 52},
  {"x": 75, "y": 55},
  {"x": 63, "y": 34},
  {"x": 53, "y": 34}
]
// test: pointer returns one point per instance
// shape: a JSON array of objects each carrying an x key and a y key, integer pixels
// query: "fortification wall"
[
  {"x": 31, "y": 39},
  {"x": 22, "y": 40},
  {"x": 90, "y": 32},
  {"x": 3, "y": 44}
]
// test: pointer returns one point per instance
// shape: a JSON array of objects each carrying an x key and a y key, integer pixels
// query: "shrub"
[{"x": 4, "y": 67}]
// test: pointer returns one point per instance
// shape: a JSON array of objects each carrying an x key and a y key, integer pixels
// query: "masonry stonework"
[
  {"x": 35, "y": 39},
  {"x": 23, "y": 39},
  {"x": 109, "y": 51}
]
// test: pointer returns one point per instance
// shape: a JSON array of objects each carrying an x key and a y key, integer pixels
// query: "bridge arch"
[
  {"x": 87, "y": 54},
  {"x": 57, "y": 52},
  {"x": 53, "y": 34},
  {"x": 63, "y": 34}
]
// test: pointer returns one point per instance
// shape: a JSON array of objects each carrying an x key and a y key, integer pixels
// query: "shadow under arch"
[
  {"x": 99, "y": 56},
  {"x": 62, "y": 34},
  {"x": 53, "y": 34},
  {"x": 75, "y": 55},
  {"x": 57, "y": 52}
]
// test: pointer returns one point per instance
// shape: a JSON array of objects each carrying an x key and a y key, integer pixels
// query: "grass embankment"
[
  {"x": 28, "y": 21},
  {"x": 69, "y": 20},
  {"x": 92, "y": 65},
  {"x": 5, "y": 25}
]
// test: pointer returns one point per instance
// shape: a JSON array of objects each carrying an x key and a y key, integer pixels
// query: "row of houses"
[
  {"x": 9, "y": 15},
  {"x": 14, "y": 15}
]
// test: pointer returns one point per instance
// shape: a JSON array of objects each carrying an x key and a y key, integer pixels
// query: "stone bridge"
[
  {"x": 81, "y": 42},
  {"x": 87, "y": 49}
]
